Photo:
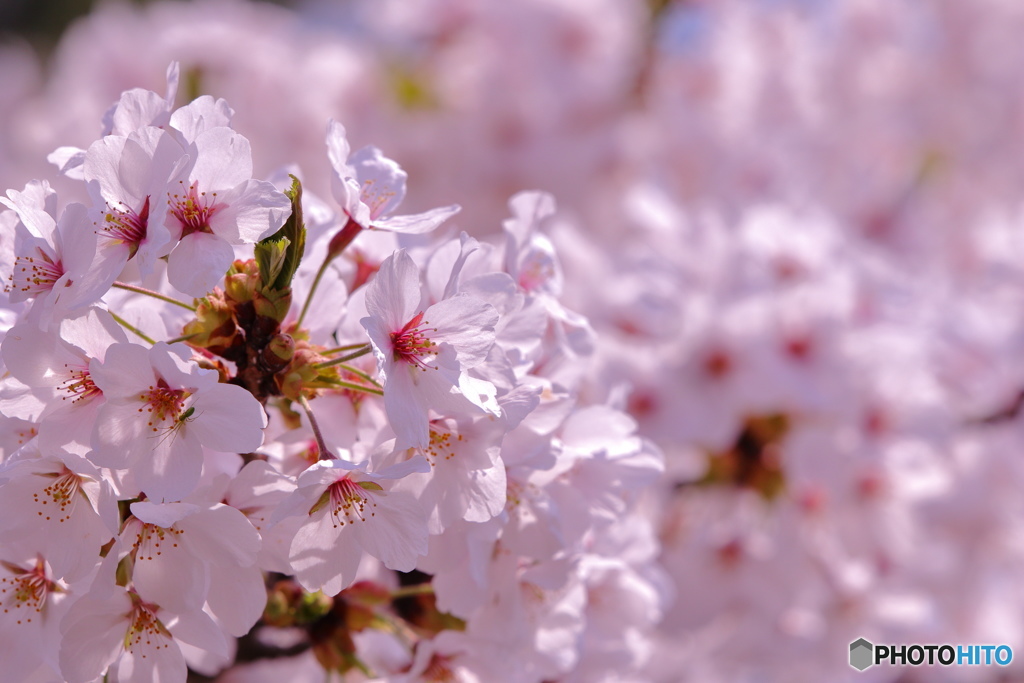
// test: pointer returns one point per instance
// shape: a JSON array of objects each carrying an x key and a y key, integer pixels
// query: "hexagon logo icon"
[{"x": 861, "y": 654}]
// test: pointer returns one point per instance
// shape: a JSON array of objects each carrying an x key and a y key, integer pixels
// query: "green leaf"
[
  {"x": 270, "y": 257},
  {"x": 279, "y": 255}
]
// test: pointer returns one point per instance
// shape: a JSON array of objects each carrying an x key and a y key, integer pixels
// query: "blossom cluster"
[
  {"x": 233, "y": 411},
  {"x": 786, "y": 250}
]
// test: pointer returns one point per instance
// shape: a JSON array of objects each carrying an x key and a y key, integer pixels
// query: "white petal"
[
  {"x": 381, "y": 181},
  {"x": 228, "y": 418},
  {"x": 394, "y": 294},
  {"x": 198, "y": 263},
  {"x": 418, "y": 223}
]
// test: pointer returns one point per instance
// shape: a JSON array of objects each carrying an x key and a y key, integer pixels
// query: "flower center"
[
  {"x": 58, "y": 499},
  {"x": 79, "y": 385},
  {"x": 146, "y": 632},
  {"x": 127, "y": 226},
  {"x": 25, "y": 589},
  {"x": 439, "y": 670},
  {"x": 151, "y": 538},
  {"x": 349, "y": 501},
  {"x": 36, "y": 274},
  {"x": 162, "y": 403},
  {"x": 442, "y": 446},
  {"x": 411, "y": 344},
  {"x": 193, "y": 208}
]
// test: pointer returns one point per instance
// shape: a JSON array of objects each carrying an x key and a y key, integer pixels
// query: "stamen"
[
  {"x": 193, "y": 208},
  {"x": 411, "y": 345},
  {"x": 79, "y": 385},
  {"x": 127, "y": 226},
  {"x": 36, "y": 274},
  {"x": 163, "y": 403},
  {"x": 349, "y": 502}
]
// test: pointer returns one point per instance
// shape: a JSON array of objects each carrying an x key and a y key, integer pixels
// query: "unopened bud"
[{"x": 279, "y": 351}]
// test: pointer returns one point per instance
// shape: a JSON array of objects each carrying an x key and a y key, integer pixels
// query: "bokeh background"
[{"x": 795, "y": 226}]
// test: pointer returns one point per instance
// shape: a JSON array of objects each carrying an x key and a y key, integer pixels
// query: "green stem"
[
  {"x": 338, "y": 361},
  {"x": 324, "y": 453},
  {"x": 337, "y": 245},
  {"x": 339, "y": 349},
  {"x": 342, "y": 384},
  {"x": 131, "y": 328},
  {"x": 409, "y": 591},
  {"x": 155, "y": 295},
  {"x": 359, "y": 373},
  {"x": 184, "y": 337},
  {"x": 312, "y": 291}
]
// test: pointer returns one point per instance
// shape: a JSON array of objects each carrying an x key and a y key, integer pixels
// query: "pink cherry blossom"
[
  {"x": 349, "y": 510},
  {"x": 424, "y": 355}
]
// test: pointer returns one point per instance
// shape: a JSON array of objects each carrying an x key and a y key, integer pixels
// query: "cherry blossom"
[
  {"x": 424, "y": 355},
  {"x": 349, "y": 509}
]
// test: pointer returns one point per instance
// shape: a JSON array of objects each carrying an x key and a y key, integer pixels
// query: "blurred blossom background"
[{"x": 795, "y": 226}]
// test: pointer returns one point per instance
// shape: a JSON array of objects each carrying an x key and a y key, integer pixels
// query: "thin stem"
[
  {"x": 320, "y": 444},
  {"x": 131, "y": 328},
  {"x": 342, "y": 384},
  {"x": 338, "y": 361},
  {"x": 312, "y": 291},
  {"x": 339, "y": 349},
  {"x": 359, "y": 373},
  {"x": 184, "y": 337},
  {"x": 337, "y": 245},
  {"x": 409, "y": 591},
  {"x": 155, "y": 295}
]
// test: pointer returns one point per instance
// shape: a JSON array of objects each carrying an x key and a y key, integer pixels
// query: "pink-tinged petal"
[
  {"x": 480, "y": 393},
  {"x": 199, "y": 630},
  {"x": 486, "y": 495},
  {"x": 228, "y": 418},
  {"x": 338, "y": 148},
  {"x": 174, "y": 466},
  {"x": 68, "y": 425},
  {"x": 100, "y": 169},
  {"x": 149, "y": 159},
  {"x": 156, "y": 659},
  {"x": 69, "y": 161},
  {"x": 381, "y": 181},
  {"x": 36, "y": 206},
  {"x": 119, "y": 437},
  {"x": 394, "y": 294},
  {"x": 166, "y": 573},
  {"x": 297, "y": 504},
  {"x": 93, "y": 633},
  {"x": 138, "y": 108},
  {"x": 324, "y": 473},
  {"x": 224, "y": 160},
  {"x": 223, "y": 535},
  {"x": 173, "y": 363},
  {"x": 37, "y": 358},
  {"x": 417, "y": 223},
  {"x": 406, "y": 409},
  {"x": 124, "y": 372},
  {"x": 397, "y": 533},
  {"x": 237, "y": 597},
  {"x": 200, "y": 115},
  {"x": 414, "y": 465},
  {"x": 383, "y": 347},
  {"x": 252, "y": 210},
  {"x": 163, "y": 514},
  {"x": 198, "y": 263},
  {"x": 465, "y": 322},
  {"x": 324, "y": 557},
  {"x": 92, "y": 330},
  {"x": 347, "y": 193}
]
